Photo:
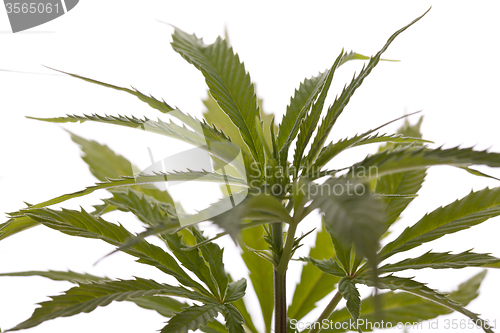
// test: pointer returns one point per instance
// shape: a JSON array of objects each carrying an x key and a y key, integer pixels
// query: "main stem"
[
  {"x": 279, "y": 283},
  {"x": 327, "y": 312},
  {"x": 280, "y": 325}
]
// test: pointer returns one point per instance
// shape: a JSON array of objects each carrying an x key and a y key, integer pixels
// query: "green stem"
[
  {"x": 286, "y": 255},
  {"x": 280, "y": 302},
  {"x": 327, "y": 312}
]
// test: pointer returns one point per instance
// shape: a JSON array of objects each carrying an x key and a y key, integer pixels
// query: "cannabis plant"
[{"x": 267, "y": 193}]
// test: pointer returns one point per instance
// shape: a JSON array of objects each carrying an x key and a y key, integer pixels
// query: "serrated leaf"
[
  {"x": 234, "y": 320},
  {"x": 83, "y": 224},
  {"x": 473, "y": 209},
  {"x": 339, "y": 104},
  {"x": 327, "y": 266},
  {"x": 141, "y": 179},
  {"x": 402, "y": 307},
  {"x": 192, "y": 318},
  {"x": 420, "y": 289},
  {"x": 347, "y": 287},
  {"x": 236, "y": 290},
  {"x": 308, "y": 126},
  {"x": 441, "y": 260},
  {"x": 240, "y": 304},
  {"x": 87, "y": 297},
  {"x": 414, "y": 158},
  {"x": 60, "y": 276},
  {"x": 16, "y": 225},
  {"x": 260, "y": 271},
  {"x": 213, "y": 255},
  {"x": 299, "y": 105},
  {"x": 314, "y": 284},
  {"x": 229, "y": 83}
]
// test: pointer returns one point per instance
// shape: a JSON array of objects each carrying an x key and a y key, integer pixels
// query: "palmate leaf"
[
  {"x": 339, "y": 104},
  {"x": 260, "y": 271},
  {"x": 234, "y": 320},
  {"x": 229, "y": 83},
  {"x": 402, "y": 307},
  {"x": 473, "y": 209},
  {"x": 441, "y": 260},
  {"x": 414, "y": 158},
  {"x": 347, "y": 287},
  {"x": 192, "y": 318},
  {"x": 87, "y": 297},
  {"x": 82, "y": 224},
  {"x": 314, "y": 284},
  {"x": 420, "y": 289}
]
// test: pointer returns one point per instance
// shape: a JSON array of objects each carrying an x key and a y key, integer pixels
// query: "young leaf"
[
  {"x": 473, "y": 209},
  {"x": 234, "y": 320},
  {"x": 192, "y": 318},
  {"x": 327, "y": 266},
  {"x": 235, "y": 290},
  {"x": 229, "y": 83},
  {"x": 347, "y": 287},
  {"x": 87, "y": 297},
  {"x": 313, "y": 285}
]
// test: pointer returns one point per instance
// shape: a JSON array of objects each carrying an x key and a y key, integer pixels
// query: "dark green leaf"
[{"x": 192, "y": 318}]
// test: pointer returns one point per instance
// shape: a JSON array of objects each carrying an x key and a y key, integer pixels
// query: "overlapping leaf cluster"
[{"x": 282, "y": 191}]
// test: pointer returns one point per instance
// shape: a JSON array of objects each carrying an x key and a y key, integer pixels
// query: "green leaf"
[
  {"x": 299, "y": 105},
  {"x": 105, "y": 164},
  {"x": 419, "y": 289},
  {"x": 16, "y": 225},
  {"x": 213, "y": 255},
  {"x": 473, "y": 209},
  {"x": 235, "y": 290},
  {"x": 218, "y": 146},
  {"x": 60, "y": 276},
  {"x": 83, "y": 224},
  {"x": 327, "y": 266},
  {"x": 402, "y": 183},
  {"x": 192, "y": 318},
  {"x": 339, "y": 104},
  {"x": 234, "y": 320},
  {"x": 164, "y": 305},
  {"x": 351, "y": 211},
  {"x": 347, "y": 287},
  {"x": 308, "y": 126},
  {"x": 328, "y": 152},
  {"x": 414, "y": 158},
  {"x": 260, "y": 271},
  {"x": 229, "y": 83},
  {"x": 313, "y": 285},
  {"x": 342, "y": 250},
  {"x": 238, "y": 289},
  {"x": 87, "y": 297},
  {"x": 403, "y": 307},
  {"x": 142, "y": 179},
  {"x": 162, "y": 106},
  {"x": 441, "y": 260},
  {"x": 147, "y": 209}
]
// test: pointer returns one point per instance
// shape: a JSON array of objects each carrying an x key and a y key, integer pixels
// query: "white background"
[{"x": 448, "y": 69}]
